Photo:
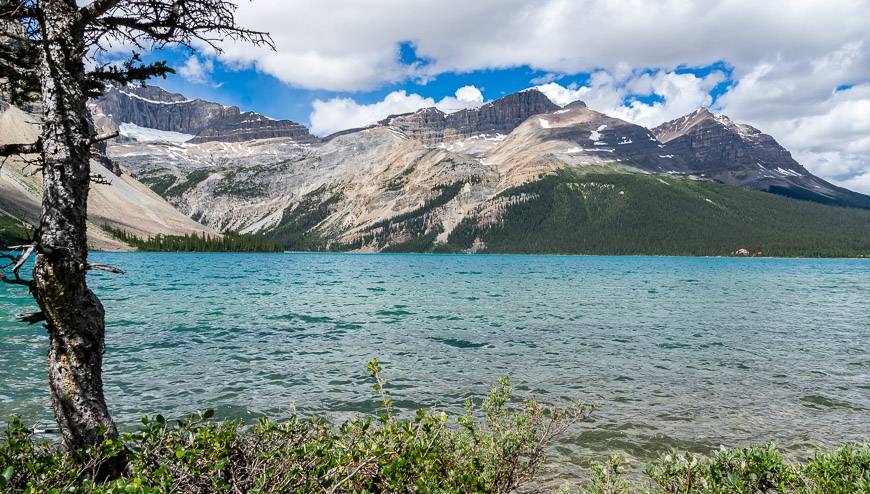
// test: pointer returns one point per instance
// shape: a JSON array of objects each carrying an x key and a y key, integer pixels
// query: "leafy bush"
[
  {"x": 845, "y": 470},
  {"x": 496, "y": 447}
]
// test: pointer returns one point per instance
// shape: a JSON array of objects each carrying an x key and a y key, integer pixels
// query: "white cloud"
[
  {"x": 787, "y": 55},
  {"x": 859, "y": 183},
  {"x": 344, "y": 113},
  {"x": 195, "y": 70},
  {"x": 465, "y": 97},
  {"x": 679, "y": 94},
  {"x": 351, "y": 45},
  {"x": 827, "y": 131}
]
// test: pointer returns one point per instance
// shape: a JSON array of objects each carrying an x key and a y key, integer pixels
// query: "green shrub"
[
  {"x": 846, "y": 470},
  {"x": 496, "y": 447}
]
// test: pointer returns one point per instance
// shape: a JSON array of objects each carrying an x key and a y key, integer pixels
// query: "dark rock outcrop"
[
  {"x": 249, "y": 126},
  {"x": 738, "y": 154},
  {"x": 432, "y": 126}
]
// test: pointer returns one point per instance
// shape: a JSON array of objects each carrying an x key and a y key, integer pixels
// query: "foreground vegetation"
[
  {"x": 228, "y": 242},
  {"x": 498, "y": 446}
]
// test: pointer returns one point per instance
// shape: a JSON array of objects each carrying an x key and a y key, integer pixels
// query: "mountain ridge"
[
  {"x": 424, "y": 180},
  {"x": 482, "y": 180},
  {"x": 155, "y": 108},
  {"x": 741, "y": 155},
  {"x": 120, "y": 202}
]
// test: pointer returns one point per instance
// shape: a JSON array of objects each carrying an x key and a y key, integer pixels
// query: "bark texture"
[{"x": 74, "y": 316}]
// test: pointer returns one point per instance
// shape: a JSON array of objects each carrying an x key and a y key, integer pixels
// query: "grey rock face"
[
  {"x": 500, "y": 116},
  {"x": 426, "y": 125},
  {"x": 741, "y": 155},
  {"x": 432, "y": 126},
  {"x": 714, "y": 144},
  {"x": 248, "y": 126},
  {"x": 155, "y": 108}
]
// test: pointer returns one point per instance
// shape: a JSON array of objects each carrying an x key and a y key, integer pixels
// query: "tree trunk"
[{"x": 74, "y": 316}]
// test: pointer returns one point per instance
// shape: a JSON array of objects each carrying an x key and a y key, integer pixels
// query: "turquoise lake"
[{"x": 681, "y": 352}]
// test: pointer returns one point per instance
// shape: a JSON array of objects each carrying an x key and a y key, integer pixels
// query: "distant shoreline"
[{"x": 347, "y": 252}]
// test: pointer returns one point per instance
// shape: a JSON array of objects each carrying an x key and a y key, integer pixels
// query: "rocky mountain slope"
[
  {"x": 738, "y": 154},
  {"x": 154, "y": 108},
  {"x": 122, "y": 203},
  {"x": 517, "y": 174}
]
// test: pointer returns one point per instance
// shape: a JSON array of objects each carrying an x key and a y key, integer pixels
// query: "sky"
[{"x": 797, "y": 69}]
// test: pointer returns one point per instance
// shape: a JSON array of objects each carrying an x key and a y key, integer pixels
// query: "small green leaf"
[{"x": 7, "y": 474}]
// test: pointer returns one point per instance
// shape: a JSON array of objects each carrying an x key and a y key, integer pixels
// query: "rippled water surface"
[{"x": 685, "y": 352}]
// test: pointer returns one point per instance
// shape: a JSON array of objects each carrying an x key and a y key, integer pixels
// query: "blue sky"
[
  {"x": 345, "y": 63},
  {"x": 253, "y": 90}
]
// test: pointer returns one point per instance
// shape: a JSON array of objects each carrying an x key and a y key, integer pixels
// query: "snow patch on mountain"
[
  {"x": 595, "y": 135},
  {"x": 145, "y": 134}
]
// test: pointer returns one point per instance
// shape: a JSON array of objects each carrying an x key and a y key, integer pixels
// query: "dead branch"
[
  {"x": 99, "y": 179},
  {"x": 106, "y": 267},
  {"x": 17, "y": 262},
  {"x": 97, "y": 8},
  {"x": 18, "y": 149},
  {"x": 24, "y": 257},
  {"x": 149, "y": 24},
  {"x": 103, "y": 137},
  {"x": 32, "y": 318}
]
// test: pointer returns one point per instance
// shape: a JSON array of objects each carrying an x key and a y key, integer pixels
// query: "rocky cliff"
[
  {"x": 154, "y": 108},
  {"x": 432, "y": 126},
  {"x": 738, "y": 154}
]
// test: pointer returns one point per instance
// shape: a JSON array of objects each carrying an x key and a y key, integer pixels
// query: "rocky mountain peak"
[
  {"x": 432, "y": 126},
  {"x": 734, "y": 153},
  {"x": 152, "y": 107},
  {"x": 575, "y": 104}
]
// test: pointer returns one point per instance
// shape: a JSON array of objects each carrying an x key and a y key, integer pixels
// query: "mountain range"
[{"x": 518, "y": 174}]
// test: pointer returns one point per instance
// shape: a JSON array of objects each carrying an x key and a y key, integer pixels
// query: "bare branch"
[
  {"x": 106, "y": 267},
  {"x": 32, "y": 318},
  {"x": 99, "y": 179},
  {"x": 24, "y": 257},
  {"x": 97, "y": 8},
  {"x": 16, "y": 149},
  {"x": 103, "y": 137},
  {"x": 15, "y": 281},
  {"x": 17, "y": 10},
  {"x": 17, "y": 263},
  {"x": 150, "y": 24}
]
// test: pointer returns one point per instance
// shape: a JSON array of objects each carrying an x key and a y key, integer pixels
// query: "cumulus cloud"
[
  {"x": 196, "y": 71},
  {"x": 349, "y": 45},
  {"x": 344, "y": 113},
  {"x": 787, "y": 56},
  {"x": 673, "y": 94},
  {"x": 827, "y": 130},
  {"x": 464, "y": 97}
]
